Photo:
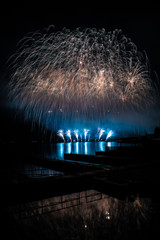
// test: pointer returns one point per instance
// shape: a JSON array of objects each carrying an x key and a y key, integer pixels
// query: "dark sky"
[{"x": 142, "y": 25}]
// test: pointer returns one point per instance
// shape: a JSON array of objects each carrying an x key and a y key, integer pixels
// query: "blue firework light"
[
  {"x": 78, "y": 135},
  {"x": 73, "y": 78}
]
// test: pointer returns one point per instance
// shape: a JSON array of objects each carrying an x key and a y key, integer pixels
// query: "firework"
[
  {"x": 76, "y": 132},
  {"x": 82, "y": 134},
  {"x": 71, "y": 76},
  {"x": 101, "y": 132},
  {"x": 68, "y": 134},
  {"x": 110, "y": 133},
  {"x": 61, "y": 134},
  {"x": 85, "y": 134}
]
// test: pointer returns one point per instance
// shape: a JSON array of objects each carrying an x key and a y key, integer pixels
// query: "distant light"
[
  {"x": 76, "y": 132},
  {"x": 110, "y": 133},
  {"x": 60, "y": 134},
  {"x": 49, "y": 111},
  {"x": 101, "y": 132},
  {"x": 85, "y": 133},
  {"x": 68, "y": 133}
]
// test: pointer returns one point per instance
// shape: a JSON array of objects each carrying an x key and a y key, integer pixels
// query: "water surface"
[{"x": 89, "y": 148}]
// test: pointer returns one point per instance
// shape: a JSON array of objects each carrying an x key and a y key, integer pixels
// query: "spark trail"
[{"x": 78, "y": 75}]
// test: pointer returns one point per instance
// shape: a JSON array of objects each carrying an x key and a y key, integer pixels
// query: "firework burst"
[{"x": 79, "y": 75}]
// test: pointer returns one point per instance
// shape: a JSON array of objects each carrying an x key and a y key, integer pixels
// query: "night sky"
[{"x": 141, "y": 25}]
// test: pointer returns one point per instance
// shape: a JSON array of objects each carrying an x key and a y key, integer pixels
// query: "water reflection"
[
  {"x": 86, "y": 148},
  {"x": 87, "y": 215},
  {"x": 34, "y": 171},
  {"x": 58, "y": 150},
  {"x": 89, "y": 148}
]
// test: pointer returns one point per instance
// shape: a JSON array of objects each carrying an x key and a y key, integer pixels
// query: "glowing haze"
[{"x": 74, "y": 77}]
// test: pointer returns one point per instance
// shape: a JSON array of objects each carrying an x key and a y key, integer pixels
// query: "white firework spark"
[{"x": 79, "y": 74}]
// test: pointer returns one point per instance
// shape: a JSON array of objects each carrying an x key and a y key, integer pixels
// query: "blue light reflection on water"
[{"x": 89, "y": 148}]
